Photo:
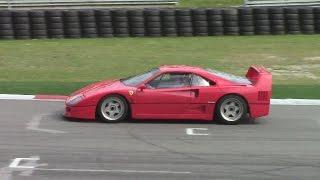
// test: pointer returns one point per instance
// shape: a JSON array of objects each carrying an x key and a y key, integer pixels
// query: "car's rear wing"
[{"x": 262, "y": 79}]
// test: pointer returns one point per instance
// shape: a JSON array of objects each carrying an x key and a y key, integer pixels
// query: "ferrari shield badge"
[{"x": 131, "y": 92}]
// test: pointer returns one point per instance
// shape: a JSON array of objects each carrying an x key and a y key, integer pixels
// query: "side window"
[
  {"x": 199, "y": 81},
  {"x": 170, "y": 80}
]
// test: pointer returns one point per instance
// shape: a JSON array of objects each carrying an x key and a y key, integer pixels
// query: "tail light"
[{"x": 263, "y": 96}]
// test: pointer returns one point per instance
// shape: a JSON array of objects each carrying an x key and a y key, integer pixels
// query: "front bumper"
[{"x": 80, "y": 112}]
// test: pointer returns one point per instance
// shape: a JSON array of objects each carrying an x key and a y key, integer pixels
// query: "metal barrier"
[
  {"x": 46, "y": 4},
  {"x": 281, "y": 2}
]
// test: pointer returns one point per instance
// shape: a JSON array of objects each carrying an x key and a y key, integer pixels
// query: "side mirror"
[{"x": 142, "y": 87}]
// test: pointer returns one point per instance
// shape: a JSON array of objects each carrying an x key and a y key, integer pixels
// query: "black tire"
[
  {"x": 167, "y": 12},
  {"x": 55, "y": 19},
  {"x": 229, "y": 17},
  {"x": 5, "y": 20},
  {"x": 231, "y": 23},
  {"x": 88, "y": 24},
  {"x": 87, "y": 19},
  {"x": 215, "y": 23},
  {"x": 152, "y": 18},
  {"x": 215, "y": 18},
  {"x": 246, "y": 18},
  {"x": 55, "y": 26},
  {"x": 20, "y": 20},
  {"x": 261, "y": 16},
  {"x": 135, "y": 12},
  {"x": 168, "y": 18},
  {"x": 119, "y": 12},
  {"x": 119, "y": 19},
  {"x": 38, "y": 20},
  {"x": 291, "y": 16},
  {"x": 184, "y": 24},
  {"x": 260, "y": 11},
  {"x": 183, "y": 12},
  {"x": 166, "y": 31},
  {"x": 8, "y": 32},
  {"x": 37, "y": 33},
  {"x": 5, "y": 26},
  {"x": 276, "y": 10},
  {"x": 169, "y": 24},
  {"x": 123, "y": 117},
  {"x": 292, "y": 23},
  {"x": 214, "y": 12},
  {"x": 21, "y": 26},
  {"x": 245, "y": 11},
  {"x": 137, "y": 25},
  {"x": 72, "y": 25},
  {"x": 152, "y": 12},
  {"x": 105, "y": 31},
  {"x": 136, "y": 19},
  {"x": 5, "y": 13},
  {"x": 184, "y": 18},
  {"x": 277, "y": 22},
  {"x": 246, "y": 23},
  {"x": 104, "y": 24},
  {"x": 199, "y": 17},
  {"x": 247, "y": 33},
  {"x": 291, "y": 10},
  {"x": 104, "y": 18},
  {"x": 247, "y": 29},
  {"x": 276, "y": 16},
  {"x": 200, "y": 23},
  {"x": 262, "y": 23},
  {"x": 38, "y": 26},
  {"x": 74, "y": 31},
  {"x": 242, "y": 105},
  {"x": 153, "y": 24},
  {"x": 103, "y": 12}
]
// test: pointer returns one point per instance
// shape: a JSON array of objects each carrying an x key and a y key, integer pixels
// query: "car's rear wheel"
[
  {"x": 231, "y": 109},
  {"x": 113, "y": 109}
]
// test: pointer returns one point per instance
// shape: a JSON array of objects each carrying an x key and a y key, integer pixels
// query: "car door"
[
  {"x": 203, "y": 98},
  {"x": 165, "y": 97}
]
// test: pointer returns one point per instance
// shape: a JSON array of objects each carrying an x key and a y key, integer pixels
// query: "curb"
[{"x": 61, "y": 98}]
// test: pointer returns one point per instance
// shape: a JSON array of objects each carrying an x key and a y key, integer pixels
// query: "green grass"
[
  {"x": 210, "y": 3},
  {"x": 61, "y": 66}
]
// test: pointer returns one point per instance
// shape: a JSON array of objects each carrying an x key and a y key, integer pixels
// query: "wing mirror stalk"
[{"x": 142, "y": 87}]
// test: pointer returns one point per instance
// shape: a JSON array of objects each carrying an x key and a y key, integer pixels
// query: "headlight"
[{"x": 74, "y": 100}]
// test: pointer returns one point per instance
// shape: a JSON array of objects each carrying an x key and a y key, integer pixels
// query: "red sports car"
[{"x": 175, "y": 92}]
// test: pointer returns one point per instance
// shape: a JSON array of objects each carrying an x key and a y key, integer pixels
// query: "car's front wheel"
[
  {"x": 113, "y": 109},
  {"x": 231, "y": 109}
]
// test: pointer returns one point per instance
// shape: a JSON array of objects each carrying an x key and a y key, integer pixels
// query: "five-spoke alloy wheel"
[
  {"x": 231, "y": 109},
  {"x": 113, "y": 108}
]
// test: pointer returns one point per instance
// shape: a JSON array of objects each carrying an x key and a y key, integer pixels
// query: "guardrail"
[
  {"x": 36, "y": 24},
  {"x": 281, "y": 2},
  {"x": 46, "y": 4}
]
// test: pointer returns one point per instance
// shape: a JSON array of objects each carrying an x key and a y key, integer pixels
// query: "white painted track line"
[
  {"x": 295, "y": 102},
  {"x": 16, "y": 96},
  {"x": 302, "y": 102}
]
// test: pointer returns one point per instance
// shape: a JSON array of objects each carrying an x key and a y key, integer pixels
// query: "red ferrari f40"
[{"x": 176, "y": 92}]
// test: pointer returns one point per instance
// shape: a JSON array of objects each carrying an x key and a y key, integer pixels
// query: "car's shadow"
[{"x": 247, "y": 121}]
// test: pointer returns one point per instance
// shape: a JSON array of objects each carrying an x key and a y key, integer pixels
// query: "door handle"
[{"x": 196, "y": 92}]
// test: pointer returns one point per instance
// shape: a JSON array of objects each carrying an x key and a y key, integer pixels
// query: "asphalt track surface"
[{"x": 285, "y": 145}]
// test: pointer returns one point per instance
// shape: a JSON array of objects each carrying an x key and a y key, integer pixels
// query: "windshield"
[
  {"x": 230, "y": 77},
  {"x": 136, "y": 80}
]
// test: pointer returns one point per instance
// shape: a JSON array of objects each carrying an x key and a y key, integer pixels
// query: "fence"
[
  {"x": 282, "y": 2},
  {"x": 49, "y": 4},
  {"x": 158, "y": 22}
]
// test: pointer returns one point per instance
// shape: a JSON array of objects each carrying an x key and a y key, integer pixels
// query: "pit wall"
[{"x": 37, "y": 24}]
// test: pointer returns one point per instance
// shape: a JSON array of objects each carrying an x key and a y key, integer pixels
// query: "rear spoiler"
[{"x": 260, "y": 77}]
